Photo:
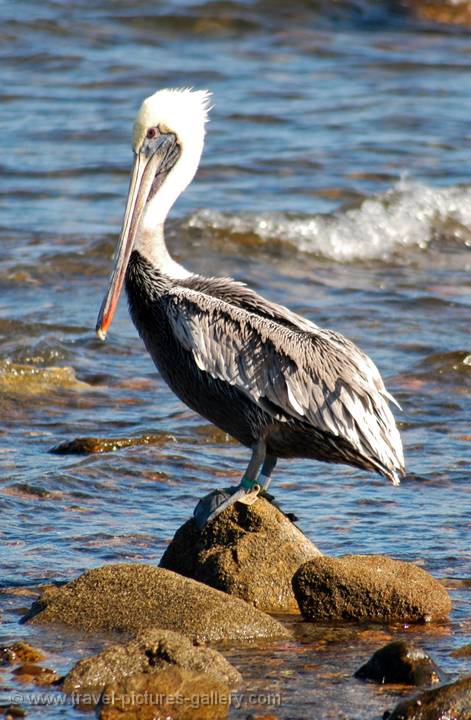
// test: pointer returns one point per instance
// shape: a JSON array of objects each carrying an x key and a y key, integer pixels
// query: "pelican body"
[{"x": 278, "y": 383}]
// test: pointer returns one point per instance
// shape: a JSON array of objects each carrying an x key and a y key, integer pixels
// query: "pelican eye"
[{"x": 151, "y": 133}]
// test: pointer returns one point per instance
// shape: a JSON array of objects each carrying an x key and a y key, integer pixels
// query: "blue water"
[{"x": 335, "y": 180}]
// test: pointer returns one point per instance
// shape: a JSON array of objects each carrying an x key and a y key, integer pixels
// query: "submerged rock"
[
  {"x": 13, "y": 711},
  {"x": 248, "y": 551},
  {"x": 464, "y": 651},
  {"x": 400, "y": 662},
  {"x": 91, "y": 445},
  {"x": 447, "y": 702},
  {"x": 450, "y": 12},
  {"x": 171, "y": 694},
  {"x": 129, "y": 598},
  {"x": 369, "y": 587},
  {"x": 35, "y": 674},
  {"x": 152, "y": 650},
  {"x": 32, "y": 380},
  {"x": 18, "y": 653}
]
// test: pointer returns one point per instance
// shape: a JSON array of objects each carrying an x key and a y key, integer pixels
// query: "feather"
[{"x": 314, "y": 375}]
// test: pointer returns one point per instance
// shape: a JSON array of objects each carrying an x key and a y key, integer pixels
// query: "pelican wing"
[
  {"x": 317, "y": 376},
  {"x": 237, "y": 293}
]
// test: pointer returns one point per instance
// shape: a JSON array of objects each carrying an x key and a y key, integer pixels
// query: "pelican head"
[{"x": 167, "y": 142}]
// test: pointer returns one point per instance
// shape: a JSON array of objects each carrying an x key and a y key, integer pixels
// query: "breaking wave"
[{"x": 410, "y": 215}]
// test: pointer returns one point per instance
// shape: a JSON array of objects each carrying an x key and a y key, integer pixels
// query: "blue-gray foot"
[{"x": 211, "y": 505}]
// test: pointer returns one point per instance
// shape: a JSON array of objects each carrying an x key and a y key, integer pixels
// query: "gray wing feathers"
[{"x": 314, "y": 375}]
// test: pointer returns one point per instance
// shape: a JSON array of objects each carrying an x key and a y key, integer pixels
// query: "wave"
[{"x": 410, "y": 215}]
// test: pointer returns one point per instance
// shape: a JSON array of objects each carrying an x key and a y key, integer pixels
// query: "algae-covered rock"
[
  {"x": 18, "y": 653},
  {"x": 24, "y": 380},
  {"x": 400, "y": 662},
  {"x": 448, "y": 12},
  {"x": 248, "y": 551},
  {"x": 447, "y": 702},
  {"x": 129, "y": 598},
  {"x": 13, "y": 711},
  {"x": 464, "y": 651},
  {"x": 35, "y": 674},
  {"x": 369, "y": 587},
  {"x": 152, "y": 650},
  {"x": 171, "y": 693},
  {"x": 92, "y": 445}
]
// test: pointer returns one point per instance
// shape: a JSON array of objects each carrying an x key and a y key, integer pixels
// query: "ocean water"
[{"x": 335, "y": 180}]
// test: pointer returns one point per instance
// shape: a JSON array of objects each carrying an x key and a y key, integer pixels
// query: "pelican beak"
[{"x": 145, "y": 168}]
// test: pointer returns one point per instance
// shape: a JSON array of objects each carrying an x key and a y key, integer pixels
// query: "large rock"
[
  {"x": 168, "y": 694},
  {"x": 129, "y": 598},
  {"x": 152, "y": 650},
  {"x": 400, "y": 662},
  {"x": 448, "y": 702},
  {"x": 248, "y": 551},
  {"x": 369, "y": 587}
]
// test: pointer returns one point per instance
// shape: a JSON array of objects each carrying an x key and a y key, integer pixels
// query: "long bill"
[{"x": 142, "y": 176}]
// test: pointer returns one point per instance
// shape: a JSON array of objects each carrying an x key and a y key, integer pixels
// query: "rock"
[
  {"x": 464, "y": 651},
  {"x": 248, "y": 551},
  {"x": 172, "y": 693},
  {"x": 369, "y": 587},
  {"x": 450, "y": 12},
  {"x": 447, "y": 702},
  {"x": 400, "y": 662},
  {"x": 91, "y": 445},
  {"x": 35, "y": 674},
  {"x": 13, "y": 711},
  {"x": 152, "y": 650},
  {"x": 131, "y": 597},
  {"x": 18, "y": 653}
]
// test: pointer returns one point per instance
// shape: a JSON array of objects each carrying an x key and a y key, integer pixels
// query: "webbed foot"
[{"x": 211, "y": 505}]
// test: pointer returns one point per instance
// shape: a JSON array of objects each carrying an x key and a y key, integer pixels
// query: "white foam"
[{"x": 409, "y": 215}]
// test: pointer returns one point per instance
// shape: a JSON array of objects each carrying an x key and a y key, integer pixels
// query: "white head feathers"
[{"x": 182, "y": 111}]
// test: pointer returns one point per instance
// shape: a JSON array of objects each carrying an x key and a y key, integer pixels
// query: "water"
[{"x": 335, "y": 180}]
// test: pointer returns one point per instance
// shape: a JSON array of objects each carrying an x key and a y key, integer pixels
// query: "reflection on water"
[{"x": 336, "y": 181}]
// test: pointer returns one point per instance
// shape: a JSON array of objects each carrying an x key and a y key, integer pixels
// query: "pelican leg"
[
  {"x": 264, "y": 479},
  {"x": 246, "y": 492},
  {"x": 250, "y": 481}
]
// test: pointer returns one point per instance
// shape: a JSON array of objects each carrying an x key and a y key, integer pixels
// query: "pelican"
[{"x": 276, "y": 382}]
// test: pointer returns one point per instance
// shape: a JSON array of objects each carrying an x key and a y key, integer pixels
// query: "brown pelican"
[{"x": 276, "y": 382}]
